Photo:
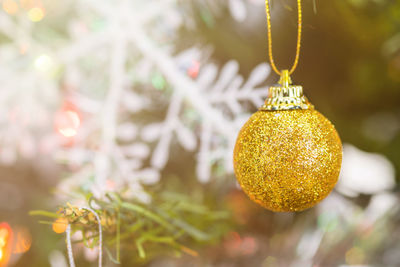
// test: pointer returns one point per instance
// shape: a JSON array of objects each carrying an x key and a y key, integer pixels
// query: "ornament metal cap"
[{"x": 286, "y": 96}]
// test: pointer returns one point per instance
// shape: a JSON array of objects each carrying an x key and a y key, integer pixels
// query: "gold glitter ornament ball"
[{"x": 287, "y": 160}]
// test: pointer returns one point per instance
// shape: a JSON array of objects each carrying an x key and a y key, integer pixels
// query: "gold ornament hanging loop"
[{"x": 298, "y": 46}]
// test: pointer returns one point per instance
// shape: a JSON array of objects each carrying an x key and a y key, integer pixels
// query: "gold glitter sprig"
[{"x": 128, "y": 224}]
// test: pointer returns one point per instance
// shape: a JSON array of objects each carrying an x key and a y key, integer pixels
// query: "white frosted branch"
[
  {"x": 179, "y": 81},
  {"x": 161, "y": 152},
  {"x": 110, "y": 110},
  {"x": 204, "y": 160}
]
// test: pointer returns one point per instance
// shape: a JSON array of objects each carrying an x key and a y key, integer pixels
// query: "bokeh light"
[
  {"x": 36, "y": 14},
  {"x": 10, "y": 6},
  {"x": 23, "y": 240},
  {"x": 5, "y": 243},
  {"x": 193, "y": 70},
  {"x": 44, "y": 63},
  {"x": 60, "y": 225},
  {"x": 67, "y": 121},
  {"x": 237, "y": 245}
]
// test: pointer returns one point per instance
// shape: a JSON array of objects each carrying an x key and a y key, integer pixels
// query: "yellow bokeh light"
[
  {"x": 1, "y": 255},
  {"x": 36, "y": 14},
  {"x": 10, "y": 6},
  {"x": 44, "y": 63}
]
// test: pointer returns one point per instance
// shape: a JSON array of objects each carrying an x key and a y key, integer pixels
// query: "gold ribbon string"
[{"x": 299, "y": 30}]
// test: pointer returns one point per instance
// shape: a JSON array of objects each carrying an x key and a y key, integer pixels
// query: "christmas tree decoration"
[
  {"x": 288, "y": 155},
  {"x": 164, "y": 226}
]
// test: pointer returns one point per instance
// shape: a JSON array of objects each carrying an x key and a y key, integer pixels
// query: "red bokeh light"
[
  {"x": 193, "y": 70},
  {"x": 67, "y": 121},
  {"x": 235, "y": 245}
]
